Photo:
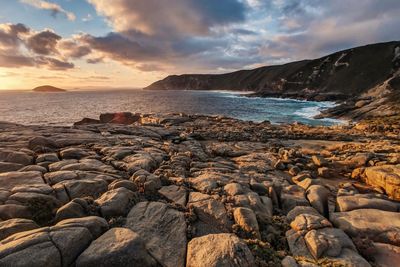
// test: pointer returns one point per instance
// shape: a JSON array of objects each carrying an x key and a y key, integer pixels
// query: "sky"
[{"x": 77, "y": 44}]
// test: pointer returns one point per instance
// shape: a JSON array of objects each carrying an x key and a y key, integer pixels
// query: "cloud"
[
  {"x": 73, "y": 49},
  {"x": 52, "y": 7},
  {"x": 22, "y": 47},
  {"x": 43, "y": 43},
  {"x": 172, "y": 17}
]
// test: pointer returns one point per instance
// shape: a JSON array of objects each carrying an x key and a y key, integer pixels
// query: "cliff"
[{"x": 348, "y": 75}]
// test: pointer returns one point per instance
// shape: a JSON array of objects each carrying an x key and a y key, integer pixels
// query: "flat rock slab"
[
  {"x": 175, "y": 194},
  {"x": 386, "y": 177},
  {"x": 378, "y": 225},
  {"x": 359, "y": 201},
  {"x": 218, "y": 250},
  {"x": 9, "y": 180},
  {"x": 163, "y": 230},
  {"x": 117, "y": 247}
]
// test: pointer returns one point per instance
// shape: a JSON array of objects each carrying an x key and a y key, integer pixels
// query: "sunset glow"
[{"x": 91, "y": 43}]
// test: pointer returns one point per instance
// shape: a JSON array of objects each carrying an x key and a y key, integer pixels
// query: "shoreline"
[{"x": 196, "y": 183}]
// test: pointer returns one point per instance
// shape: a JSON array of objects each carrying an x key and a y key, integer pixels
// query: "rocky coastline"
[{"x": 191, "y": 190}]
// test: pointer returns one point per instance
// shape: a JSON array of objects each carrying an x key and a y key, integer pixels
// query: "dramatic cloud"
[
  {"x": 178, "y": 36},
  {"x": 53, "y": 8},
  {"x": 22, "y": 47},
  {"x": 172, "y": 17}
]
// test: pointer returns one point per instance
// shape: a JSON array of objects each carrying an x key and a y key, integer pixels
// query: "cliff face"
[{"x": 339, "y": 76}]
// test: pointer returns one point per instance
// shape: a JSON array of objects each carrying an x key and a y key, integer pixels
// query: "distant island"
[{"x": 48, "y": 88}]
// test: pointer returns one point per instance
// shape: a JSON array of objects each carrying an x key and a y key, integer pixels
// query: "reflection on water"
[{"x": 66, "y": 108}]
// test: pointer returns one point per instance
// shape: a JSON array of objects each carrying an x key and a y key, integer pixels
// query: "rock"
[
  {"x": 42, "y": 144},
  {"x": 119, "y": 118},
  {"x": 216, "y": 250},
  {"x": 385, "y": 255},
  {"x": 76, "y": 208},
  {"x": 262, "y": 206},
  {"x": 10, "y": 167},
  {"x": 294, "y": 170},
  {"x": 297, "y": 245},
  {"x": 326, "y": 172},
  {"x": 292, "y": 196},
  {"x": 327, "y": 242},
  {"x": 370, "y": 223},
  {"x": 15, "y": 157},
  {"x": 11, "y": 211},
  {"x": 211, "y": 214},
  {"x": 96, "y": 225},
  {"x": 73, "y": 153},
  {"x": 148, "y": 181},
  {"x": 175, "y": 194},
  {"x": 233, "y": 189},
  {"x": 318, "y": 196},
  {"x": 86, "y": 121},
  {"x": 359, "y": 160},
  {"x": 154, "y": 222},
  {"x": 116, "y": 202},
  {"x": 10, "y": 179},
  {"x": 57, "y": 166},
  {"x": 55, "y": 177},
  {"x": 279, "y": 165},
  {"x": 247, "y": 220},
  {"x": 360, "y": 201},
  {"x": 319, "y": 161},
  {"x": 299, "y": 210},
  {"x": 49, "y": 157},
  {"x": 306, "y": 222},
  {"x": 117, "y": 247},
  {"x": 13, "y": 226},
  {"x": 33, "y": 168},
  {"x": 289, "y": 261},
  {"x": 85, "y": 188},
  {"x": 306, "y": 183},
  {"x": 59, "y": 245},
  {"x": 123, "y": 183},
  {"x": 348, "y": 257},
  {"x": 386, "y": 177}
]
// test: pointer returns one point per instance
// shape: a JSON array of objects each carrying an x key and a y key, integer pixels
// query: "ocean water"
[{"x": 66, "y": 108}]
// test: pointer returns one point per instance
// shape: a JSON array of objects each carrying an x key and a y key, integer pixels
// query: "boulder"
[
  {"x": 9, "y": 180},
  {"x": 364, "y": 201},
  {"x": 55, "y": 177},
  {"x": 73, "y": 153},
  {"x": 148, "y": 181},
  {"x": 386, "y": 177},
  {"x": 299, "y": 210},
  {"x": 233, "y": 189},
  {"x": 155, "y": 222},
  {"x": 11, "y": 211},
  {"x": 33, "y": 168},
  {"x": 10, "y": 167},
  {"x": 123, "y": 183},
  {"x": 13, "y": 226},
  {"x": 217, "y": 250},
  {"x": 307, "y": 222},
  {"x": 85, "y": 188},
  {"x": 42, "y": 144},
  {"x": 175, "y": 194},
  {"x": 49, "y": 157},
  {"x": 319, "y": 161},
  {"x": 76, "y": 208},
  {"x": 116, "y": 202},
  {"x": 15, "y": 157},
  {"x": 292, "y": 196},
  {"x": 318, "y": 196},
  {"x": 327, "y": 242},
  {"x": 377, "y": 225},
  {"x": 247, "y": 221},
  {"x": 262, "y": 206},
  {"x": 385, "y": 255},
  {"x": 211, "y": 214},
  {"x": 117, "y": 247}
]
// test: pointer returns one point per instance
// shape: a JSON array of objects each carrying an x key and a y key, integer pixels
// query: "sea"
[{"x": 65, "y": 108}]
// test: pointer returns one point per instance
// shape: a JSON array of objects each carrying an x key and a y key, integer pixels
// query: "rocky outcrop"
[{"x": 193, "y": 190}]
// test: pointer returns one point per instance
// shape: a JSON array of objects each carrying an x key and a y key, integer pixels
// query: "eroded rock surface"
[{"x": 192, "y": 190}]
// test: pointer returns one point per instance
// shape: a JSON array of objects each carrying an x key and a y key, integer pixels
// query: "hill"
[
  {"x": 48, "y": 88},
  {"x": 348, "y": 76}
]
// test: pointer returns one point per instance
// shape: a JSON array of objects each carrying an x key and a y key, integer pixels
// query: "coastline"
[{"x": 177, "y": 179}]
